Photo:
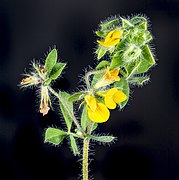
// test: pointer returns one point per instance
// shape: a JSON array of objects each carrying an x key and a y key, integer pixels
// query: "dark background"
[{"x": 147, "y": 129}]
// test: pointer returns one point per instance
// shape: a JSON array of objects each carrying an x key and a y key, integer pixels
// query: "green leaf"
[
  {"x": 142, "y": 26},
  {"x": 54, "y": 136},
  {"x": 140, "y": 37},
  {"x": 51, "y": 60},
  {"x": 65, "y": 96},
  {"x": 138, "y": 20},
  {"x": 109, "y": 24},
  {"x": 116, "y": 61},
  {"x": 137, "y": 80},
  {"x": 126, "y": 24},
  {"x": 101, "y": 51},
  {"x": 74, "y": 146},
  {"x": 103, "y": 139},
  {"x": 57, "y": 70},
  {"x": 85, "y": 121},
  {"x": 47, "y": 82},
  {"x": 76, "y": 96},
  {"x": 100, "y": 33},
  {"x": 121, "y": 45},
  {"x": 102, "y": 65},
  {"x": 95, "y": 125},
  {"x": 112, "y": 49},
  {"x": 132, "y": 68},
  {"x": 123, "y": 85},
  {"x": 147, "y": 60}
]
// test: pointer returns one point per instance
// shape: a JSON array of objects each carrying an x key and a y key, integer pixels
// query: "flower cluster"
[
  {"x": 97, "y": 111},
  {"x": 42, "y": 75}
]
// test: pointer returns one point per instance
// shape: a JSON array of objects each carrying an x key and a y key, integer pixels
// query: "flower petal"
[
  {"x": 114, "y": 74},
  {"x": 91, "y": 102},
  {"x": 100, "y": 115},
  {"x": 119, "y": 97},
  {"x": 109, "y": 102},
  {"x": 112, "y": 38}
]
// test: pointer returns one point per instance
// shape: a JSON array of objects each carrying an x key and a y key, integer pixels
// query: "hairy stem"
[
  {"x": 85, "y": 152},
  {"x": 88, "y": 74},
  {"x": 85, "y": 158},
  {"x": 68, "y": 110}
]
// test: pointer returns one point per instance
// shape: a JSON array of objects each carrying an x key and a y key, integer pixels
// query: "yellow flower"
[
  {"x": 112, "y": 38},
  {"x": 108, "y": 78},
  {"x": 97, "y": 112},
  {"x": 113, "y": 97}
]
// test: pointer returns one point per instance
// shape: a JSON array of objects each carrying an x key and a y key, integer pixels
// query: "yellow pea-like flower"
[
  {"x": 97, "y": 112},
  {"x": 113, "y": 97},
  {"x": 112, "y": 38},
  {"x": 108, "y": 78}
]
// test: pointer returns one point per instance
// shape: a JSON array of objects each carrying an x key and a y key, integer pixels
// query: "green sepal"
[
  {"x": 139, "y": 80},
  {"x": 102, "y": 65},
  {"x": 95, "y": 125},
  {"x": 74, "y": 146},
  {"x": 112, "y": 49},
  {"x": 100, "y": 33},
  {"x": 57, "y": 70},
  {"x": 65, "y": 96},
  {"x": 109, "y": 24},
  {"x": 121, "y": 45},
  {"x": 76, "y": 96},
  {"x": 137, "y": 20},
  {"x": 123, "y": 86},
  {"x": 116, "y": 61},
  {"x": 102, "y": 139},
  {"x": 132, "y": 68},
  {"x": 47, "y": 82},
  {"x": 101, "y": 51},
  {"x": 147, "y": 60},
  {"x": 51, "y": 60},
  {"x": 54, "y": 136},
  {"x": 142, "y": 26},
  {"x": 85, "y": 121},
  {"x": 140, "y": 37},
  {"x": 126, "y": 24}
]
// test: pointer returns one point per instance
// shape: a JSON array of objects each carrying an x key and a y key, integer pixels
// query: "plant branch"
[{"x": 68, "y": 110}]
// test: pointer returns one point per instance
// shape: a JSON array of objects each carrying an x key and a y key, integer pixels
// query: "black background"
[{"x": 147, "y": 129}]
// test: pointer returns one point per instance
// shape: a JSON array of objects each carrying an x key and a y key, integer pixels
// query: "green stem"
[
  {"x": 68, "y": 110},
  {"x": 85, "y": 158},
  {"x": 86, "y": 142},
  {"x": 88, "y": 74}
]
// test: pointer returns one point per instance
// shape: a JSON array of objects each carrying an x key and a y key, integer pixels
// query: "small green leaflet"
[
  {"x": 117, "y": 60},
  {"x": 51, "y": 60},
  {"x": 147, "y": 60},
  {"x": 101, "y": 51},
  {"x": 110, "y": 24},
  {"x": 85, "y": 121},
  {"x": 137, "y": 80},
  {"x": 74, "y": 146},
  {"x": 57, "y": 70},
  {"x": 76, "y": 96},
  {"x": 65, "y": 96},
  {"x": 102, "y": 65},
  {"x": 54, "y": 136},
  {"x": 102, "y": 139}
]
